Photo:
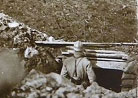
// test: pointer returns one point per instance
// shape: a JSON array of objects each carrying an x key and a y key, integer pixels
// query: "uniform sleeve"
[
  {"x": 90, "y": 73},
  {"x": 64, "y": 71}
]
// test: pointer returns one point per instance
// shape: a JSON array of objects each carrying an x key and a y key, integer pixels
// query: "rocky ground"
[
  {"x": 38, "y": 85},
  {"x": 61, "y": 21}
]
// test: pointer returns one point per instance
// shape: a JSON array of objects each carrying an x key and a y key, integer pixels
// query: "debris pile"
[
  {"x": 39, "y": 85},
  {"x": 17, "y": 35}
]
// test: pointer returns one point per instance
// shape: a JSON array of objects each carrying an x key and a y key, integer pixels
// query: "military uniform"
[{"x": 78, "y": 70}]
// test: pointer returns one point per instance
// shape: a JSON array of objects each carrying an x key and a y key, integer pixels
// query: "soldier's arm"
[
  {"x": 90, "y": 73},
  {"x": 64, "y": 71}
]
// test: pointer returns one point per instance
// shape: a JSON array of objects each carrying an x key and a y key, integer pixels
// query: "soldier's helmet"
[{"x": 78, "y": 46}]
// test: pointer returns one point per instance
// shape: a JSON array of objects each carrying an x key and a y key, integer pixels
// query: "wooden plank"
[
  {"x": 106, "y": 63},
  {"x": 86, "y": 44},
  {"x": 104, "y": 51},
  {"x": 61, "y": 44},
  {"x": 113, "y": 56},
  {"x": 98, "y": 59},
  {"x": 109, "y": 44},
  {"x": 100, "y": 51},
  {"x": 110, "y": 65},
  {"x": 96, "y": 55},
  {"x": 106, "y": 59}
]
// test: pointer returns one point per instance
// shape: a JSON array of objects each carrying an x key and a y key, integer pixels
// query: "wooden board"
[
  {"x": 105, "y": 59},
  {"x": 109, "y": 64},
  {"x": 120, "y": 55},
  {"x": 85, "y": 44}
]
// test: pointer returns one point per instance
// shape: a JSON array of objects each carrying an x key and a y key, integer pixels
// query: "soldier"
[{"x": 78, "y": 68}]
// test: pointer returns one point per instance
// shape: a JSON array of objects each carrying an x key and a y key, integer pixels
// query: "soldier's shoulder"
[
  {"x": 86, "y": 59},
  {"x": 69, "y": 59}
]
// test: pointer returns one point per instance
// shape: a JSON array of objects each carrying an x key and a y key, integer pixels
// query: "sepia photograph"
[{"x": 68, "y": 48}]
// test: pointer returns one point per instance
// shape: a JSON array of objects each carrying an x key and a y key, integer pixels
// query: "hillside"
[{"x": 85, "y": 20}]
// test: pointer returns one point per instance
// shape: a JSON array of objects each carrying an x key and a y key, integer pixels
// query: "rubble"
[
  {"x": 17, "y": 35},
  {"x": 13, "y": 24},
  {"x": 17, "y": 32},
  {"x": 30, "y": 52},
  {"x": 37, "y": 85}
]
